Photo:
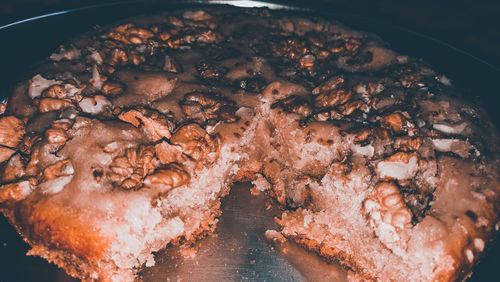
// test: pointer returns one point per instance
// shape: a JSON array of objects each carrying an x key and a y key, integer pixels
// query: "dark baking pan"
[{"x": 239, "y": 252}]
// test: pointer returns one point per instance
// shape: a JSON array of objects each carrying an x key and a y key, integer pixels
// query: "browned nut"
[
  {"x": 406, "y": 143},
  {"x": 335, "y": 82},
  {"x": 395, "y": 121},
  {"x": 118, "y": 57},
  {"x": 295, "y": 104},
  {"x": 154, "y": 124},
  {"x": 11, "y": 131},
  {"x": 5, "y": 154},
  {"x": 168, "y": 177},
  {"x": 58, "y": 169},
  {"x": 208, "y": 107},
  {"x": 56, "y": 136},
  {"x": 52, "y": 104},
  {"x": 112, "y": 88},
  {"x": 129, "y": 170},
  {"x": 168, "y": 153},
  {"x": 332, "y": 98},
  {"x": 196, "y": 143},
  {"x": 14, "y": 192},
  {"x": 391, "y": 205}
]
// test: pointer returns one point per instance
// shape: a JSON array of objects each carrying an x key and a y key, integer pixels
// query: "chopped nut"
[
  {"x": 95, "y": 105},
  {"x": 399, "y": 166},
  {"x": 97, "y": 79},
  {"x": 168, "y": 177},
  {"x": 58, "y": 169},
  {"x": 469, "y": 255},
  {"x": 139, "y": 32},
  {"x": 459, "y": 147},
  {"x": 307, "y": 62},
  {"x": 38, "y": 84},
  {"x": 295, "y": 104},
  {"x": 69, "y": 54},
  {"x": 388, "y": 214},
  {"x": 59, "y": 91},
  {"x": 5, "y": 154},
  {"x": 56, "y": 136},
  {"x": 450, "y": 128},
  {"x": 117, "y": 57},
  {"x": 275, "y": 236},
  {"x": 208, "y": 107},
  {"x": 208, "y": 36},
  {"x": 333, "y": 83},
  {"x": 406, "y": 143},
  {"x": 13, "y": 169},
  {"x": 15, "y": 192},
  {"x": 168, "y": 153},
  {"x": 112, "y": 88},
  {"x": 135, "y": 58},
  {"x": 129, "y": 170},
  {"x": 196, "y": 143},
  {"x": 154, "y": 124},
  {"x": 350, "y": 107},
  {"x": 332, "y": 98},
  {"x": 363, "y": 136},
  {"x": 198, "y": 15},
  {"x": 210, "y": 73},
  {"x": 52, "y": 104},
  {"x": 479, "y": 244},
  {"x": 394, "y": 121},
  {"x": 3, "y": 107},
  {"x": 11, "y": 131}
]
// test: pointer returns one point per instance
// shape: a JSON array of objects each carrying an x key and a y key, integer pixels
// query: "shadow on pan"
[{"x": 28, "y": 41}]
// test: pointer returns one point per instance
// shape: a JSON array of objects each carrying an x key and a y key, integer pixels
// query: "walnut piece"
[
  {"x": 112, "y": 88},
  {"x": 130, "y": 34},
  {"x": 168, "y": 153},
  {"x": 11, "y": 131},
  {"x": 395, "y": 121},
  {"x": 399, "y": 166},
  {"x": 38, "y": 84},
  {"x": 155, "y": 124},
  {"x": 14, "y": 192},
  {"x": 129, "y": 170},
  {"x": 58, "y": 169},
  {"x": 168, "y": 177},
  {"x": 5, "y": 154},
  {"x": 51, "y": 104},
  {"x": 62, "y": 91},
  {"x": 209, "y": 107},
  {"x": 95, "y": 105},
  {"x": 196, "y": 143},
  {"x": 331, "y": 93},
  {"x": 388, "y": 214},
  {"x": 295, "y": 104}
]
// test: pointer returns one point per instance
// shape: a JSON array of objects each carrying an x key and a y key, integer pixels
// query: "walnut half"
[
  {"x": 129, "y": 170},
  {"x": 388, "y": 214}
]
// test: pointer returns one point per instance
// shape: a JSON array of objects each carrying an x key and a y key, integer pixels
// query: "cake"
[{"x": 126, "y": 139}]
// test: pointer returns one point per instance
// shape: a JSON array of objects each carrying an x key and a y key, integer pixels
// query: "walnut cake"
[{"x": 125, "y": 140}]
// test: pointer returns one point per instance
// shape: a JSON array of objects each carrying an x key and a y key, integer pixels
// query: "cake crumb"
[
  {"x": 188, "y": 252},
  {"x": 275, "y": 236}
]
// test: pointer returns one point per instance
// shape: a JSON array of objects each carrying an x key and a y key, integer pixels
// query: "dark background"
[
  {"x": 460, "y": 38},
  {"x": 473, "y": 26}
]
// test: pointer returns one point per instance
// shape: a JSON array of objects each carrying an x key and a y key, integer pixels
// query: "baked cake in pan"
[{"x": 125, "y": 140}]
